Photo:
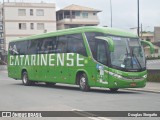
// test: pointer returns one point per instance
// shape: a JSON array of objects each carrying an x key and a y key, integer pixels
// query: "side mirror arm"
[
  {"x": 109, "y": 41},
  {"x": 149, "y": 44}
]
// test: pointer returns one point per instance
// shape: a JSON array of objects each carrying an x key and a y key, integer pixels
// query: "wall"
[{"x": 12, "y": 19}]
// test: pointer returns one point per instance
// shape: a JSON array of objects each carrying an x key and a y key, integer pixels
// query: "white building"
[
  {"x": 25, "y": 19},
  {"x": 76, "y": 16}
]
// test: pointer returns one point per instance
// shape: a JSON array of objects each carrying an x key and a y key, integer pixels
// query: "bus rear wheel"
[
  {"x": 83, "y": 82},
  {"x": 113, "y": 89},
  {"x": 25, "y": 79}
]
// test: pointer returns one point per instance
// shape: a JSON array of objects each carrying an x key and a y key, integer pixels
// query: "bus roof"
[{"x": 107, "y": 30}]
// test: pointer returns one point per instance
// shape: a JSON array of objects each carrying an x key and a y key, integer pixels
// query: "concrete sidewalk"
[
  {"x": 150, "y": 87},
  {"x": 3, "y": 67}
]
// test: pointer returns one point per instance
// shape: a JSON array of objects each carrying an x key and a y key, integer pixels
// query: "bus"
[{"x": 86, "y": 56}]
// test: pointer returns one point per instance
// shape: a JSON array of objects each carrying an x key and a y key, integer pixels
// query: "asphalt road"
[{"x": 14, "y": 96}]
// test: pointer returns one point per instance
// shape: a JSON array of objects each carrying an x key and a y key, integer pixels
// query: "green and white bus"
[{"x": 85, "y": 56}]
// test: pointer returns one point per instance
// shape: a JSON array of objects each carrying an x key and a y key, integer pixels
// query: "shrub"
[{"x": 153, "y": 76}]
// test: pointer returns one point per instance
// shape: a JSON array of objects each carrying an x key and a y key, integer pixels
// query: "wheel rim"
[
  {"x": 25, "y": 78},
  {"x": 83, "y": 82}
]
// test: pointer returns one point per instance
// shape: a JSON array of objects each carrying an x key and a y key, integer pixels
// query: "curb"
[{"x": 143, "y": 90}]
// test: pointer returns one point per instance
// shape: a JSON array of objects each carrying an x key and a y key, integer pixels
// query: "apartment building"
[
  {"x": 149, "y": 36},
  {"x": 76, "y": 16},
  {"x": 157, "y": 33},
  {"x": 1, "y": 32},
  {"x": 25, "y": 19}
]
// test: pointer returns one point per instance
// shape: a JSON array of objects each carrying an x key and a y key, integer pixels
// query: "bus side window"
[
  {"x": 38, "y": 48},
  {"x": 32, "y": 46},
  {"x": 102, "y": 52},
  {"x": 22, "y": 47},
  {"x": 76, "y": 44},
  {"x": 62, "y": 44},
  {"x": 11, "y": 48},
  {"x": 98, "y": 47},
  {"x": 46, "y": 45}
]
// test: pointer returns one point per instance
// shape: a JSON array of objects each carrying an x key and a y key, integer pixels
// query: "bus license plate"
[{"x": 133, "y": 84}]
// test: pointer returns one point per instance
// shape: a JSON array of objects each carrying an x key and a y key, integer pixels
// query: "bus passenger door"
[{"x": 102, "y": 66}]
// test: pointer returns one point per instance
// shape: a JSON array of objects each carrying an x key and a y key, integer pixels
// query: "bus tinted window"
[
  {"x": 22, "y": 47},
  {"x": 101, "y": 52},
  {"x": 47, "y": 45},
  {"x": 98, "y": 47},
  {"x": 18, "y": 48},
  {"x": 12, "y": 48},
  {"x": 62, "y": 44},
  {"x": 92, "y": 41},
  {"x": 33, "y": 47},
  {"x": 76, "y": 44}
]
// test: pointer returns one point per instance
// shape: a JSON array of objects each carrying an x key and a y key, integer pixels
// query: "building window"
[
  {"x": 21, "y": 12},
  {"x": 22, "y": 26},
  {"x": 1, "y": 41},
  {"x": 40, "y": 12},
  {"x": 77, "y": 13},
  {"x": 94, "y": 14},
  {"x": 156, "y": 50},
  {"x": 85, "y": 15},
  {"x": 40, "y": 26},
  {"x": 31, "y": 12},
  {"x": 1, "y": 35},
  {"x": 1, "y": 47},
  {"x": 32, "y": 26}
]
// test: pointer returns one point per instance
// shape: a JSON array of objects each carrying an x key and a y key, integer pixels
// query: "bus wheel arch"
[
  {"x": 25, "y": 78},
  {"x": 82, "y": 80}
]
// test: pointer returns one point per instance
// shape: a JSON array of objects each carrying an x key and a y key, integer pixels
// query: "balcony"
[{"x": 68, "y": 19}]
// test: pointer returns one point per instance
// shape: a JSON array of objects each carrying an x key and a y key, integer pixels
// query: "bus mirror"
[
  {"x": 144, "y": 42},
  {"x": 109, "y": 41}
]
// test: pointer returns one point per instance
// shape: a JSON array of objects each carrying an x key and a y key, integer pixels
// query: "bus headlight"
[{"x": 145, "y": 76}]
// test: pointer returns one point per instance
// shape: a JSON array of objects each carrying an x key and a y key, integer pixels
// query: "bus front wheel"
[
  {"x": 25, "y": 79},
  {"x": 83, "y": 82}
]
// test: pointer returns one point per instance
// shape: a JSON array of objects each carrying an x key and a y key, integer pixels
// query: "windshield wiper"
[
  {"x": 138, "y": 61},
  {"x": 134, "y": 56}
]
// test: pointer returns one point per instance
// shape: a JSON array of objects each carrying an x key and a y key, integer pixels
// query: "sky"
[{"x": 124, "y": 12}]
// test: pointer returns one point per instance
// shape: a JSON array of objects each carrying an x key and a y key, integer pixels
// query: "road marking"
[
  {"x": 99, "y": 118},
  {"x": 85, "y": 114}
]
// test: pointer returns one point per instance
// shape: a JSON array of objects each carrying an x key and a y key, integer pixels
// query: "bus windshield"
[{"x": 128, "y": 54}]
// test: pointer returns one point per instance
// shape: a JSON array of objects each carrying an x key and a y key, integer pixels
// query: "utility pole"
[
  {"x": 141, "y": 30},
  {"x": 138, "y": 16},
  {"x": 111, "y": 11}
]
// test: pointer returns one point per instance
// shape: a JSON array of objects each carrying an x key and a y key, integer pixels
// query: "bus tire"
[
  {"x": 113, "y": 89},
  {"x": 25, "y": 79},
  {"x": 83, "y": 82}
]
